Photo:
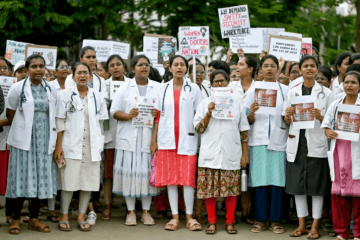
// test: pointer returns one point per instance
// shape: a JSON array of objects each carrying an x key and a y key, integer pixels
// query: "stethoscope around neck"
[
  {"x": 186, "y": 86},
  {"x": 22, "y": 94},
  {"x": 72, "y": 108}
]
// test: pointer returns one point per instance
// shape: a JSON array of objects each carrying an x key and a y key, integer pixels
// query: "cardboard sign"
[
  {"x": 194, "y": 41},
  {"x": 49, "y": 53},
  {"x": 251, "y": 43},
  {"x": 287, "y": 48},
  {"x": 234, "y": 21},
  {"x": 104, "y": 49},
  {"x": 15, "y": 51},
  {"x": 6, "y": 83},
  {"x": 306, "y": 46},
  {"x": 266, "y": 36}
]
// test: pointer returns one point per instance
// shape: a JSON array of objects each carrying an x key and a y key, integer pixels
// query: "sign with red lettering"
[
  {"x": 234, "y": 21},
  {"x": 194, "y": 41}
]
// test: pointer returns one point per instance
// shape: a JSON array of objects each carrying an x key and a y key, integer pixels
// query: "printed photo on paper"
[{"x": 348, "y": 122}]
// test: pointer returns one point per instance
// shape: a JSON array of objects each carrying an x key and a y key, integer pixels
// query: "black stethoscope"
[
  {"x": 321, "y": 93},
  {"x": 187, "y": 85},
  {"x": 22, "y": 95},
  {"x": 72, "y": 107}
]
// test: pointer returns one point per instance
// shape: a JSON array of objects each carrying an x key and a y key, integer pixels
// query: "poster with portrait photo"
[
  {"x": 266, "y": 96},
  {"x": 348, "y": 122},
  {"x": 303, "y": 119},
  {"x": 47, "y": 52},
  {"x": 166, "y": 49}
]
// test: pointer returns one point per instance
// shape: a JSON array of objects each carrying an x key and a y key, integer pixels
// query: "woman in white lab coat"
[
  {"x": 344, "y": 161},
  {"x": 115, "y": 65},
  {"x": 200, "y": 77},
  {"x": 88, "y": 56},
  {"x": 267, "y": 156},
  {"x": 32, "y": 171},
  {"x": 80, "y": 114},
  {"x": 307, "y": 169},
  {"x": 62, "y": 72},
  {"x": 223, "y": 148},
  {"x": 132, "y": 165},
  {"x": 176, "y": 140}
]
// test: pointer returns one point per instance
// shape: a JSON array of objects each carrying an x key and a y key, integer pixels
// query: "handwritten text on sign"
[
  {"x": 194, "y": 41},
  {"x": 15, "y": 51},
  {"x": 234, "y": 21}
]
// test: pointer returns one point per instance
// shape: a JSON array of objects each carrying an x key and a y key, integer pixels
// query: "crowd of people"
[{"x": 63, "y": 138}]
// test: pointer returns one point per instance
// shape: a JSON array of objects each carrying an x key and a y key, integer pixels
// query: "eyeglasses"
[
  {"x": 269, "y": 65},
  {"x": 118, "y": 64},
  {"x": 320, "y": 78},
  {"x": 4, "y": 68},
  {"x": 294, "y": 72},
  {"x": 64, "y": 67},
  {"x": 82, "y": 73},
  {"x": 219, "y": 82},
  {"x": 200, "y": 72},
  {"x": 211, "y": 71},
  {"x": 143, "y": 65}
]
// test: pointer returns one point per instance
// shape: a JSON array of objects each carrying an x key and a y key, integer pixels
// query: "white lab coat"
[
  {"x": 221, "y": 143},
  {"x": 72, "y": 141},
  {"x": 316, "y": 139},
  {"x": 56, "y": 85},
  {"x": 205, "y": 91},
  {"x": 110, "y": 135},
  {"x": 259, "y": 130},
  {"x": 124, "y": 101},
  {"x": 239, "y": 91},
  {"x": 189, "y": 101},
  {"x": 21, "y": 127},
  {"x": 98, "y": 83},
  {"x": 328, "y": 121}
]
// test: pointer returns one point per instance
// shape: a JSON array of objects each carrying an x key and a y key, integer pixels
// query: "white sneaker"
[{"x": 91, "y": 218}]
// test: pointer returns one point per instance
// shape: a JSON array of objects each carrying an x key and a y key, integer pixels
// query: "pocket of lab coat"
[
  {"x": 279, "y": 136},
  {"x": 233, "y": 154},
  {"x": 207, "y": 149}
]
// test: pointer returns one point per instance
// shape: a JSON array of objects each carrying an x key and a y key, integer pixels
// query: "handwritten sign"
[
  {"x": 47, "y": 52},
  {"x": 114, "y": 85},
  {"x": 104, "y": 49},
  {"x": 6, "y": 83},
  {"x": 251, "y": 43},
  {"x": 287, "y": 48},
  {"x": 224, "y": 103},
  {"x": 15, "y": 51},
  {"x": 234, "y": 21},
  {"x": 194, "y": 41},
  {"x": 144, "y": 118},
  {"x": 266, "y": 36}
]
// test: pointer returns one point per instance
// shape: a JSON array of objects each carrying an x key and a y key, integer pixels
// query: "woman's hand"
[
  {"x": 153, "y": 147},
  {"x": 58, "y": 154},
  {"x": 154, "y": 112},
  {"x": 289, "y": 111},
  {"x": 229, "y": 55},
  {"x": 240, "y": 52},
  {"x": 330, "y": 134},
  {"x": 317, "y": 114},
  {"x": 211, "y": 107},
  {"x": 133, "y": 113},
  {"x": 244, "y": 160},
  {"x": 281, "y": 63},
  {"x": 254, "y": 107},
  {"x": 262, "y": 54}
]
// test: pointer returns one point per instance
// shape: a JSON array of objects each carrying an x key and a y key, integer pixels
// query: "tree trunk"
[{"x": 357, "y": 3}]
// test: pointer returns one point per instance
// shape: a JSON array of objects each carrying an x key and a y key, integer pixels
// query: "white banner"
[
  {"x": 104, "y": 49},
  {"x": 49, "y": 53},
  {"x": 287, "y": 48},
  {"x": 15, "y": 51},
  {"x": 251, "y": 43},
  {"x": 234, "y": 21},
  {"x": 194, "y": 41}
]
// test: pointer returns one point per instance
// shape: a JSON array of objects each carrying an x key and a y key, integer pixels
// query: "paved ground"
[{"x": 116, "y": 229}]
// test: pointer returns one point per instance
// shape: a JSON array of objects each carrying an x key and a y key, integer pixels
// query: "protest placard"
[
  {"x": 104, "y": 49},
  {"x": 15, "y": 51},
  {"x": 166, "y": 49},
  {"x": 303, "y": 119},
  {"x": 194, "y": 41},
  {"x": 224, "y": 103},
  {"x": 287, "y": 48},
  {"x": 145, "y": 105},
  {"x": 6, "y": 83},
  {"x": 266, "y": 96},
  {"x": 150, "y": 48},
  {"x": 266, "y": 36},
  {"x": 47, "y": 52},
  {"x": 234, "y": 21},
  {"x": 159, "y": 48},
  {"x": 251, "y": 43},
  {"x": 290, "y": 35},
  {"x": 306, "y": 46},
  {"x": 348, "y": 122}
]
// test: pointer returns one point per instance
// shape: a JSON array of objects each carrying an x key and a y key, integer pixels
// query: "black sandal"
[
  {"x": 51, "y": 218},
  {"x": 247, "y": 219},
  {"x": 230, "y": 231},
  {"x": 211, "y": 231}
]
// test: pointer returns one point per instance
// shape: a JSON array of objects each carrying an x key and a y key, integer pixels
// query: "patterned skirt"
[{"x": 218, "y": 183}]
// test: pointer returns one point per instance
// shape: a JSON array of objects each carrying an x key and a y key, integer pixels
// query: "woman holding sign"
[
  {"x": 267, "y": 141},
  {"x": 176, "y": 140},
  {"x": 220, "y": 157},
  {"x": 32, "y": 170},
  {"x": 307, "y": 172},
  {"x": 80, "y": 113},
  {"x": 134, "y": 106},
  {"x": 344, "y": 161}
]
